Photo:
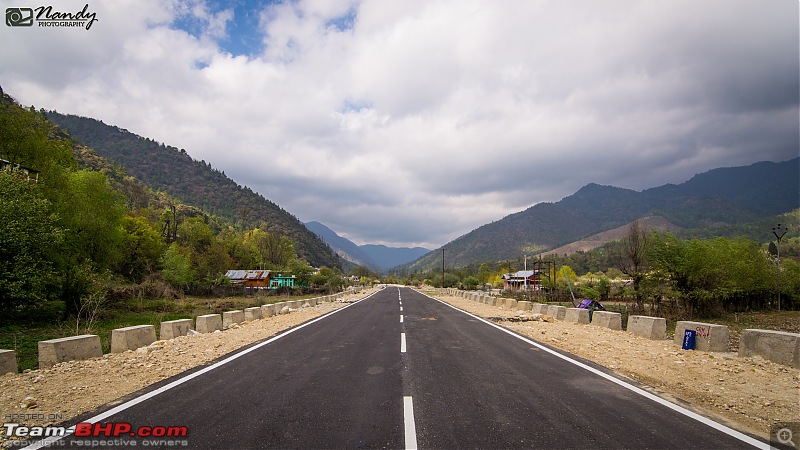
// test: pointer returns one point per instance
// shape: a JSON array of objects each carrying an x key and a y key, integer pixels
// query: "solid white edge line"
[
  {"x": 410, "y": 425},
  {"x": 178, "y": 382},
  {"x": 718, "y": 426},
  {"x": 402, "y": 342}
]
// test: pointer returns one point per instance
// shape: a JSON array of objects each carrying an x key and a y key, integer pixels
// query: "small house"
[
  {"x": 27, "y": 173},
  {"x": 524, "y": 279},
  {"x": 250, "y": 278},
  {"x": 279, "y": 281}
]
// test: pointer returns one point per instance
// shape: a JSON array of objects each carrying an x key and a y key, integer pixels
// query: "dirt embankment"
[{"x": 749, "y": 394}]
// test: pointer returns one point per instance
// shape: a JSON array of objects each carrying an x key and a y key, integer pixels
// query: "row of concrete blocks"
[
  {"x": 87, "y": 346},
  {"x": 777, "y": 346}
]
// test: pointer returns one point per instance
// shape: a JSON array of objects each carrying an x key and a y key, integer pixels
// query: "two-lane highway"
[{"x": 400, "y": 369}]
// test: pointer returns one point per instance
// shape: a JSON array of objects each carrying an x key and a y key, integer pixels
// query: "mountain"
[
  {"x": 717, "y": 199},
  {"x": 378, "y": 258},
  {"x": 343, "y": 247},
  {"x": 389, "y": 257},
  {"x": 655, "y": 223},
  {"x": 196, "y": 183}
]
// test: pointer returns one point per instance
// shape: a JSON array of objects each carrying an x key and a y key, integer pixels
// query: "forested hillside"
[
  {"x": 195, "y": 183},
  {"x": 713, "y": 203},
  {"x": 77, "y": 230}
]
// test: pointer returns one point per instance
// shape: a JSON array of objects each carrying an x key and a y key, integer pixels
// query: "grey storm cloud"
[{"x": 413, "y": 122}]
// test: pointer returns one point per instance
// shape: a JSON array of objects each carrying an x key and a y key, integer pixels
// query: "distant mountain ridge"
[
  {"x": 716, "y": 198},
  {"x": 379, "y": 258},
  {"x": 195, "y": 183}
]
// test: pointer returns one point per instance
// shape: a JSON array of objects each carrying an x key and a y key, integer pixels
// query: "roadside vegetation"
[{"x": 730, "y": 280}]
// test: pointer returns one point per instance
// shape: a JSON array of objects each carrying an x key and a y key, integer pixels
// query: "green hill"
[{"x": 196, "y": 183}]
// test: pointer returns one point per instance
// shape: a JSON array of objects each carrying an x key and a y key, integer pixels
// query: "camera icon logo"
[{"x": 19, "y": 17}]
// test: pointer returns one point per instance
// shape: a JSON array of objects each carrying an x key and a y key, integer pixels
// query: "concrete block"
[
  {"x": 8, "y": 361},
  {"x": 648, "y": 327},
  {"x": 231, "y": 317},
  {"x": 539, "y": 308},
  {"x": 607, "y": 319},
  {"x": 174, "y": 328},
  {"x": 524, "y": 306},
  {"x": 131, "y": 338},
  {"x": 208, "y": 323},
  {"x": 55, "y": 351},
  {"x": 311, "y": 302},
  {"x": 268, "y": 310},
  {"x": 577, "y": 315},
  {"x": 510, "y": 303},
  {"x": 558, "y": 312},
  {"x": 710, "y": 337},
  {"x": 777, "y": 346},
  {"x": 252, "y": 313}
]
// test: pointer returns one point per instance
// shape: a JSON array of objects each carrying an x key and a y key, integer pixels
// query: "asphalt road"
[{"x": 402, "y": 370}]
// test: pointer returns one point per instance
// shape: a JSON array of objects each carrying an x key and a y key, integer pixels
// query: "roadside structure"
[
  {"x": 523, "y": 279},
  {"x": 250, "y": 278}
]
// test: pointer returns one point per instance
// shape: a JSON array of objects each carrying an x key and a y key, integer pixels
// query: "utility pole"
[
  {"x": 775, "y": 231},
  {"x": 526, "y": 273},
  {"x": 442, "y": 267}
]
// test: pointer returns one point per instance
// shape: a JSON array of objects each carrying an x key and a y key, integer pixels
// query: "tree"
[
  {"x": 142, "y": 248},
  {"x": 195, "y": 234},
  {"x": 28, "y": 237},
  {"x": 484, "y": 272},
  {"x": 90, "y": 212},
  {"x": 177, "y": 269},
  {"x": 631, "y": 257},
  {"x": 274, "y": 251},
  {"x": 301, "y": 270},
  {"x": 470, "y": 283},
  {"x": 213, "y": 262}
]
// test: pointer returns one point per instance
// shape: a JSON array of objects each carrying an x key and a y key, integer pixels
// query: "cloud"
[{"x": 414, "y": 122}]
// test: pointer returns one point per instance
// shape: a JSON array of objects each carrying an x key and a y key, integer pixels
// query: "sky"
[{"x": 413, "y": 122}]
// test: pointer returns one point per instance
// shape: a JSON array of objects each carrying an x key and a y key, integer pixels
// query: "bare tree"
[{"x": 631, "y": 257}]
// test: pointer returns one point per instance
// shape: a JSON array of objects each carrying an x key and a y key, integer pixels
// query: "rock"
[
  {"x": 28, "y": 403},
  {"x": 285, "y": 310},
  {"x": 192, "y": 333}
]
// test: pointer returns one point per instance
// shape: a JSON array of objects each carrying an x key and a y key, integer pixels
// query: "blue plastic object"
[{"x": 689, "y": 337}]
